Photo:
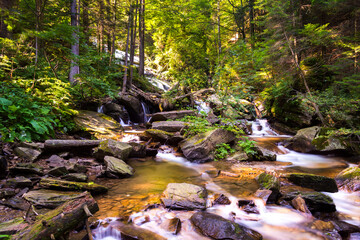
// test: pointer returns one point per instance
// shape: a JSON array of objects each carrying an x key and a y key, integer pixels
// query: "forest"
[{"x": 219, "y": 81}]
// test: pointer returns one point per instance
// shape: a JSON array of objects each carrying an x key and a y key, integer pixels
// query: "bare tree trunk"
[
  {"x": 142, "y": 38},
  {"x": 252, "y": 25},
  {"x": 113, "y": 32},
  {"x": 127, "y": 51},
  {"x": 132, "y": 43},
  {"x": 75, "y": 48}
]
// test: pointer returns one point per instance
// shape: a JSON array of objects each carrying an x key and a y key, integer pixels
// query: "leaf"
[{"x": 38, "y": 128}]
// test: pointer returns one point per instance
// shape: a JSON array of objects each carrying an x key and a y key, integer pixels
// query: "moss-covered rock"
[
  {"x": 113, "y": 148},
  {"x": 302, "y": 141},
  {"x": 269, "y": 182},
  {"x": 316, "y": 182},
  {"x": 72, "y": 186},
  {"x": 98, "y": 124},
  {"x": 19, "y": 182},
  {"x": 217, "y": 227},
  {"x": 200, "y": 147},
  {"x": 315, "y": 201},
  {"x": 349, "y": 179},
  {"x": 117, "y": 168},
  {"x": 158, "y": 135},
  {"x": 76, "y": 177},
  {"x": 184, "y": 196},
  {"x": 13, "y": 226}
]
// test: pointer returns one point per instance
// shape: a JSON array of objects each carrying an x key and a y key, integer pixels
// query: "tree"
[{"x": 75, "y": 48}]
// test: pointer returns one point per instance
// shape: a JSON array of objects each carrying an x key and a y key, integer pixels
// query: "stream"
[{"x": 127, "y": 198}]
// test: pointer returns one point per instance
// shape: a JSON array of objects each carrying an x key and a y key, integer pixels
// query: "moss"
[
  {"x": 349, "y": 173},
  {"x": 268, "y": 181}
]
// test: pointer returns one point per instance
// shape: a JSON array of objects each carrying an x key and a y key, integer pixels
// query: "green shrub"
[
  {"x": 248, "y": 146},
  {"x": 222, "y": 151}
]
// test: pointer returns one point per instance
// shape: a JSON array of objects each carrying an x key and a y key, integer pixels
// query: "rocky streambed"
[{"x": 156, "y": 184}]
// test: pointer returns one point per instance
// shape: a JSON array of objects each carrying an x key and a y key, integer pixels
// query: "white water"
[
  {"x": 202, "y": 107},
  {"x": 146, "y": 111},
  {"x": 159, "y": 83},
  {"x": 261, "y": 127}
]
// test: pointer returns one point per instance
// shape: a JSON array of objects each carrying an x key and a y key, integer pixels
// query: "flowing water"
[{"x": 128, "y": 197}]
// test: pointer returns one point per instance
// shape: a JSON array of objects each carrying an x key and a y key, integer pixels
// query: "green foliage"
[
  {"x": 248, "y": 146},
  {"x": 196, "y": 125},
  {"x": 222, "y": 151},
  {"x": 5, "y": 237}
]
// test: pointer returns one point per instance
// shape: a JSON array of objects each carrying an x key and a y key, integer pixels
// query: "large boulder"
[
  {"x": 217, "y": 227},
  {"x": 133, "y": 106},
  {"x": 113, "y": 148},
  {"x": 117, "y": 168},
  {"x": 272, "y": 183},
  {"x": 315, "y": 201},
  {"x": 316, "y": 182},
  {"x": 116, "y": 111},
  {"x": 29, "y": 154},
  {"x": 49, "y": 198},
  {"x": 98, "y": 124},
  {"x": 349, "y": 179},
  {"x": 169, "y": 126},
  {"x": 171, "y": 115},
  {"x": 200, "y": 147},
  {"x": 302, "y": 141},
  {"x": 184, "y": 196}
]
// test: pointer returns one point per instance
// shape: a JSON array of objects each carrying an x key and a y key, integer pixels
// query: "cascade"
[
  {"x": 146, "y": 111},
  {"x": 261, "y": 127}
]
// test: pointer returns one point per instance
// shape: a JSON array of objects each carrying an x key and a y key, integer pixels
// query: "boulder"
[
  {"x": 272, "y": 183},
  {"x": 27, "y": 153},
  {"x": 345, "y": 229},
  {"x": 299, "y": 204},
  {"x": 138, "y": 150},
  {"x": 26, "y": 168},
  {"x": 50, "y": 198},
  {"x": 117, "y": 168},
  {"x": 58, "y": 171},
  {"x": 302, "y": 141},
  {"x": 184, "y": 196},
  {"x": 60, "y": 144},
  {"x": 158, "y": 135},
  {"x": 113, "y": 148},
  {"x": 171, "y": 115},
  {"x": 129, "y": 231},
  {"x": 116, "y": 111},
  {"x": 72, "y": 186},
  {"x": 316, "y": 182},
  {"x": 248, "y": 206},
  {"x": 349, "y": 179},
  {"x": 76, "y": 177},
  {"x": 133, "y": 107},
  {"x": 200, "y": 147},
  {"x": 217, "y": 227},
  {"x": 169, "y": 126},
  {"x": 263, "y": 154},
  {"x": 98, "y": 124},
  {"x": 315, "y": 201}
]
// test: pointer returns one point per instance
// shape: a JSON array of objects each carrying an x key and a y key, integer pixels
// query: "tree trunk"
[
  {"x": 219, "y": 32},
  {"x": 55, "y": 223},
  {"x": 124, "y": 88},
  {"x": 75, "y": 48},
  {"x": 142, "y": 38},
  {"x": 65, "y": 144},
  {"x": 132, "y": 44},
  {"x": 86, "y": 21},
  {"x": 252, "y": 25}
]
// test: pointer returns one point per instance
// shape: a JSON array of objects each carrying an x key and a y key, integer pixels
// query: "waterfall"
[
  {"x": 100, "y": 109},
  {"x": 202, "y": 107},
  {"x": 261, "y": 127},
  {"x": 146, "y": 111},
  {"x": 158, "y": 83}
]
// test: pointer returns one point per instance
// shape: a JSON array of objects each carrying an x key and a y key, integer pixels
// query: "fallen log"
[
  {"x": 72, "y": 186},
  {"x": 196, "y": 93},
  {"x": 65, "y": 144},
  {"x": 55, "y": 223}
]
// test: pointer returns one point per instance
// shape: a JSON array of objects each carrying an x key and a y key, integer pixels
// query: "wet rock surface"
[
  {"x": 349, "y": 179},
  {"x": 171, "y": 115},
  {"x": 315, "y": 201},
  {"x": 113, "y": 148},
  {"x": 169, "y": 126},
  {"x": 117, "y": 168},
  {"x": 316, "y": 182}
]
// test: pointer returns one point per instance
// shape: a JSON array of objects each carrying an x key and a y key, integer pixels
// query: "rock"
[
  {"x": 157, "y": 135},
  {"x": 76, "y": 177},
  {"x": 264, "y": 194},
  {"x": 100, "y": 125},
  {"x": 318, "y": 183},
  {"x": 133, "y": 107},
  {"x": 58, "y": 171},
  {"x": 27, "y": 153},
  {"x": 35, "y": 145},
  {"x": 345, "y": 229},
  {"x": 18, "y": 202},
  {"x": 329, "y": 144},
  {"x": 26, "y": 168},
  {"x": 184, "y": 196},
  {"x": 238, "y": 157},
  {"x": 117, "y": 167},
  {"x": 72, "y": 186},
  {"x": 138, "y": 150},
  {"x": 299, "y": 204},
  {"x": 315, "y": 201},
  {"x": 13, "y": 226},
  {"x": 116, "y": 111},
  {"x": 7, "y": 193},
  {"x": 175, "y": 139},
  {"x": 248, "y": 206},
  {"x": 132, "y": 232},
  {"x": 50, "y": 198},
  {"x": 263, "y": 154},
  {"x": 217, "y": 227},
  {"x": 349, "y": 179},
  {"x": 55, "y": 161},
  {"x": 60, "y": 144},
  {"x": 113, "y": 148},
  {"x": 77, "y": 168},
  {"x": 151, "y": 152},
  {"x": 169, "y": 126},
  {"x": 171, "y": 115},
  {"x": 221, "y": 199},
  {"x": 18, "y": 182},
  {"x": 3, "y": 167},
  {"x": 172, "y": 225},
  {"x": 272, "y": 183},
  {"x": 302, "y": 141},
  {"x": 200, "y": 147}
]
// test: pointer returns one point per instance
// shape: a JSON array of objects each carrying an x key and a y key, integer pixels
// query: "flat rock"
[
  {"x": 100, "y": 125},
  {"x": 117, "y": 167},
  {"x": 169, "y": 126},
  {"x": 19, "y": 182},
  {"x": 58, "y": 171},
  {"x": 27, "y": 153},
  {"x": 184, "y": 196},
  {"x": 26, "y": 168},
  {"x": 171, "y": 115},
  {"x": 55, "y": 161},
  {"x": 316, "y": 182},
  {"x": 157, "y": 135},
  {"x": 129, "y": 231},
  {"x": 72, "y": 186},
  {"x": 13, "y": 226},
  {"x": 113, "y": 148},
  {"x": 217, "y": 227},
  {"x": 76, "y": 177}
]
